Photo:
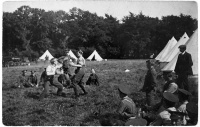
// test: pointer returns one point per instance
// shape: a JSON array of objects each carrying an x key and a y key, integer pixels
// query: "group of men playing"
[
  {"x": 64, "y": 72},
  {"x": 174, "y": 106}
]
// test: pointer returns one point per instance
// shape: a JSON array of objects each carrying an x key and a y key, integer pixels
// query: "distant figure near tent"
[
  {"x": 45, "y": 55},
  {"x": 46, "y": 58},
  {"x": 152, "y": 56},
  {"x": 95, "y": 56}
]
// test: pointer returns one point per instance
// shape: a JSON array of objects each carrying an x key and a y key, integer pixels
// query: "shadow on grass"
[
  {"x": 39, "y": 112},
  {"x": 38, "y": 117},
  {"x": 34, "y": 95},
  {"x": 6, "y": 87},
  {"x": 106, "y": 118},
  {"x": 91, "y": 117},
  {"x": 64, "y": 96},
  {"x": 9, "y": 120}
]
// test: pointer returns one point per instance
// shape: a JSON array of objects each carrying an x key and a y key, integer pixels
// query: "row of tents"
[
  {"x": 94, "y": 56},
  {"x": 169, "y": 55}
]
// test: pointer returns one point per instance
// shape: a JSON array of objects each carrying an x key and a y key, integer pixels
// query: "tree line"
[{"x": 29, "y": 32}]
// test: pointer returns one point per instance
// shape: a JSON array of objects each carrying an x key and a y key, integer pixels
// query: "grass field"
[{"x": 22, "y": 107}]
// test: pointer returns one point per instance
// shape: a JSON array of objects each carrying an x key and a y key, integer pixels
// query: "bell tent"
[
  {"x": 72, "y": 54},
  {"x": 46, "y": 56},
  {"x": 171, "y": 43},
  {"x": 175, "y": 49},
  {"x": 192, "y": 48},
  {"x": 95, "y": 56}
]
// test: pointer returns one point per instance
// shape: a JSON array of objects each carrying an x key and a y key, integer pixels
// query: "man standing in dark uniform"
[
  {"x": 183, "y": 67},
  {"x": 150, "y": 84}
]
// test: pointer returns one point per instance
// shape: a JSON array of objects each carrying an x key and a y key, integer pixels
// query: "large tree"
[{"x": 30, "y": 31}]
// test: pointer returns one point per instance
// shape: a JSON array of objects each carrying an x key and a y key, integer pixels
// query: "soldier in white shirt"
[{"x": 51, "y": 71}]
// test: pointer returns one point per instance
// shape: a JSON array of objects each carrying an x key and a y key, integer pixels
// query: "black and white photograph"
[{"x": 99, "y": 63}]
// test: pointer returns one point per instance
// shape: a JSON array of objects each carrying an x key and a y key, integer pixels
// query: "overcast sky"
[{"x": 116, "y": 8}]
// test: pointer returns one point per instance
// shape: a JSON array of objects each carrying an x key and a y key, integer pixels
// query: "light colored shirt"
[
  {"x": 172, "y": 88},
  {"x": 81, "y": 61},
  {"x": 182, "y": 53},
  {"x": 182, "y": 108},
  {"x": 165, "y": 115},
  {"x": 127, "y": 107},
  {"x": 51, "y": 69}
]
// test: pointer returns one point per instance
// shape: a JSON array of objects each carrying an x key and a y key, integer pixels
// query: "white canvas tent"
[
  {"x": 171, "y": 43},
  {"x": 95, "y": 56},
  {"x": 192, "y": 48},
  {"x": 72, "y": 54},
  {"x": 46, "y": 54},
  {"x": 175, "y": 49}
]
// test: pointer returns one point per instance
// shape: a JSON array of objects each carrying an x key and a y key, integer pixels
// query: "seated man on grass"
[{"x": 93, "y": 79}]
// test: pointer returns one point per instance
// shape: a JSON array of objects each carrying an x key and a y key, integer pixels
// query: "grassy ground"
[{"x": 22, "y": 107}]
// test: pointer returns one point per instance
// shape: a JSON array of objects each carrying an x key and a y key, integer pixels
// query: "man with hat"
[
  {"x": 51, "y": 71},
  {"x": 127, "y": 108},
  {"x": 183, "y": 67},
  {"x": 169, "y": 101},
  {"x": 159, "y": 107},
  {"x": 168, "y": 77}
]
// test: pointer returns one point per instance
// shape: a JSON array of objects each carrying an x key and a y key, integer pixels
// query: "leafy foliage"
[{"x": 36, "y": 30}]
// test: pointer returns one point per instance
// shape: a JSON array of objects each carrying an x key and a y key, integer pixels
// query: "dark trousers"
[
  {"x": 54, "y": 82},
  {"x": 182, "y": 81},
  {"x": 77, "y": 80},
  {"x": 65, "y": 80},
  {"x": 27, "y": 85},
  {"x": 150, "y": 98}
]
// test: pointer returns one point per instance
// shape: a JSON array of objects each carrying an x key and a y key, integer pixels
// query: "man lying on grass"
[{"x": 93, "y": 79}]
